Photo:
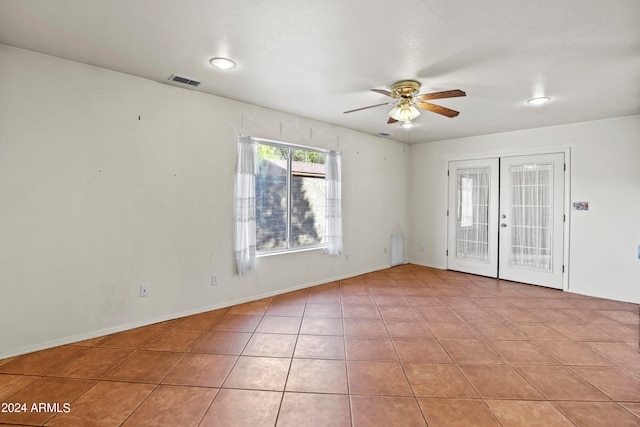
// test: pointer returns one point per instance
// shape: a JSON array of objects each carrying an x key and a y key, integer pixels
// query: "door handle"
[
  {"x": 503, "y": 216},
  {"x": 503, "y": 225}
]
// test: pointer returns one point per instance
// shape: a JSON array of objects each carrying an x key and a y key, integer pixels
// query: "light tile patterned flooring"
[{"x": 407, "y": 346}]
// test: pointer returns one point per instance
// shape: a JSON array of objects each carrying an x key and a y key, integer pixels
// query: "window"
[{"x": 290, "y": 197}]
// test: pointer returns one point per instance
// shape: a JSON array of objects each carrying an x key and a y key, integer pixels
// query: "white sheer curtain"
[
  {"x": 245, "y": 204},
  {"x": 472, "y": 231},
  {"x": 333, "y": 181},
  {"x": 531, "y": 220}
]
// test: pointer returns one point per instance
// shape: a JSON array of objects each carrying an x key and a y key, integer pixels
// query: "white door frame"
[{"x": 567, "y": 198}]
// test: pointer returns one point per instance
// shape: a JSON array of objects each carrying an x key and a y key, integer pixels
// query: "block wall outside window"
[{"x": 290, "y": 198}]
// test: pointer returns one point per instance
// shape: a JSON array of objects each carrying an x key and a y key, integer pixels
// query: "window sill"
[{"x": 289, "y": 251}]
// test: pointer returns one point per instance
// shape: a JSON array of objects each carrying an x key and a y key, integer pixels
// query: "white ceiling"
[{"x": 319, "y": 58}]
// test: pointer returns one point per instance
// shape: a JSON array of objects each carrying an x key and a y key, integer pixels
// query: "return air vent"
[
  {"x": 397, "y": 249},
  {"x": 183, "y": 80}
]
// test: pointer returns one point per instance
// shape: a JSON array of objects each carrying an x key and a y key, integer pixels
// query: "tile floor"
[{"x": 407, "y": 346}]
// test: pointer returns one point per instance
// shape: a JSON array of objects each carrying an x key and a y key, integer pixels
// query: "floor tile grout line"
[
  {"x": 466, "y": 377},
  {"x": 346, "y": 356},
  {"x": 488, "y": 342},
  {"x": 456, "y": 364},
  {"x": 209, "y": 406},
  {"x": 65, "y": 362},
  {"x": 156, "y": 386},
  {"x": 404, "y": 371}
]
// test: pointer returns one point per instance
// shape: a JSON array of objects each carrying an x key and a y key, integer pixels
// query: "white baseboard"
[{"x": 125, "y": 327}]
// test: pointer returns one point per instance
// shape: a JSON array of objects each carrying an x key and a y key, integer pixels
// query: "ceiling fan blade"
[
  {"x": 370, "y": 106},
  {"x": 384, "y": 92},
  {"x": 391, "y": 120},
  {"x": 439, "y": 95},
  {"x": 437, "y": 109}
]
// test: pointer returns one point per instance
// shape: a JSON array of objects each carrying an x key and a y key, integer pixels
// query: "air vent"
[
  {"x": 183, "y": 80},
  {"x": 384, "y": 134}
]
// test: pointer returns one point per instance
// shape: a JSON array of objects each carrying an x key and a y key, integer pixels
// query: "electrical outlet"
[
  {"x": 385, "y": 250},
  {"x": 346, "y": 257},
  {"x": 145, "y": 290},
  {"x": 421, "y": 248},
  {"x": 214, "y": 279}
]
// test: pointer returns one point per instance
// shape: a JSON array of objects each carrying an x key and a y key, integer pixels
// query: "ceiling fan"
[{"x": 408, "y": 101}]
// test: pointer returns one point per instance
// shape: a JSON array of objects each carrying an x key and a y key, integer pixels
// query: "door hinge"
[
  {"x": 447, "y": 252},
  {"x": 565, "y": 167},
  {"x": 447, "y": 212},
  {"x": 564, "y": 218},
  {"x": 563, "y": 268},
  {"x": 447, "y": 173}
]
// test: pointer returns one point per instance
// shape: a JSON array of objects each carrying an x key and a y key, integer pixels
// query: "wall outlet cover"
[{"x": 145, "y": 290}]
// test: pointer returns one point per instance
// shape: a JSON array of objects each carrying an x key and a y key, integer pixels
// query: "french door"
[
  {"x": 506, "y": 218},
  {"x": 473, "y": 213}
]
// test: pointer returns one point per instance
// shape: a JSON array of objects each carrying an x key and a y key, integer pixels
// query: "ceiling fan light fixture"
[
  {"x": 404, "y": 112},
  {"x": 407, "y": 124},
  {"x": 222, "y": 63},
  {"x": 539, "y": 100}
]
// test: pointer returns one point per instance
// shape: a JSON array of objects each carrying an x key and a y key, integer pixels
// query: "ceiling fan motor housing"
[{"x": 405, "y": 88}]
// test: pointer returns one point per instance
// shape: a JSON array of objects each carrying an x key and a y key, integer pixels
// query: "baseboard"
[{"x": 171, "y": 316}]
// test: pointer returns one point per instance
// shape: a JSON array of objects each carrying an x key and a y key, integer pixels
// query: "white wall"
[
  {"x": 95, "y": 202},
  {"x": 604, "y": 171}
]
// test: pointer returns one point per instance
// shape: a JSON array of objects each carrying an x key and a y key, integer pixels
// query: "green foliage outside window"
[{"x": 299, "y": 155}]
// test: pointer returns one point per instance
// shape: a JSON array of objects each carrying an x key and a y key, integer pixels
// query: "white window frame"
[{"x": 290, "y": 147}]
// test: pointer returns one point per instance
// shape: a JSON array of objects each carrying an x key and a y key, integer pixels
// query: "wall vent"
[
  {"x": 397, "y": 250},
  {"x": 183, "y": 80}
]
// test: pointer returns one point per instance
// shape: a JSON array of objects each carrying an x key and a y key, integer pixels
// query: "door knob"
[
  {"x": 503, "y": 225},
  {"x": 503, "y": 216}
]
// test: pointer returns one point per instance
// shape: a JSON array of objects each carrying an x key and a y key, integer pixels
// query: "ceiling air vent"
[{"x": 183, "y": 80}]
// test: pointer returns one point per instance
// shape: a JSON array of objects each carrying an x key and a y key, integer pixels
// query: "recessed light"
[
  {"x": 539, "y": 101},
  {"x": 223, "y": 63}
]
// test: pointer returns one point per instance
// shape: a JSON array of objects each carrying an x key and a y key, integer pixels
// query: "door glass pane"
[
  {"x": 472, "y": 214},
  {"x": 531, "y": 191}
]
